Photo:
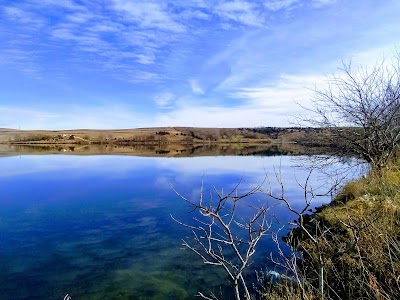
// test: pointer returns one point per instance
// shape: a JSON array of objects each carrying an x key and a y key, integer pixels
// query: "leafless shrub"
[
  {"x": 361, "y": 109},
  {"x": 223, "y": 238},
  {"x": 337, "y": 253}
]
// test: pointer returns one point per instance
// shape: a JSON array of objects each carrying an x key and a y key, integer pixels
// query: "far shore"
[
  {"x": 165, "y": 141},
  {"x": 161, "y": 136}
]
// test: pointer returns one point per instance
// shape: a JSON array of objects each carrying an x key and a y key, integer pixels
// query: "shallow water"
[{"x": 99, "y": 227}]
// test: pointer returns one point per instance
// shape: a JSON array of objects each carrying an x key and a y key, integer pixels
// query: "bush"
[{"x": 370, "y": 217}]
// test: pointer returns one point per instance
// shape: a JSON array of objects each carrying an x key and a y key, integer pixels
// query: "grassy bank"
[{"x": 358, "y": 239}]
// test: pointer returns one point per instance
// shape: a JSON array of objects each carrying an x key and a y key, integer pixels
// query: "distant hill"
[{"x": 163, "y": 135}]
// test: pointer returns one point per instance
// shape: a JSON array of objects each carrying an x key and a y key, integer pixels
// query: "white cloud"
[
  {"x": 241, "y": 116},
  {"x": 124, "y": 42},
  {"x": 276, "y": 5},
  {"x": 149, "y": 15},
  {"x": 242, "y": 12},
  {"x": 139, "y": 76},
  {"x": 368, "y": 58},
  {"x": 68, "y": 4},
  {"x": 63, "y": 34},
  {"x": 119, "y": 59},
  {"x": 80, "y": 17},
  {"x": 269, "y": 105},
  {"x": 195, "y": 86},
  {"x": 71, "y": 117},
  {"x": 145, "y": 59},
  {"x": 18, "y": 117},
  {"x": 24, "y": 61},
  {"x": 322, "y": 3},
  {"x": 286, "y": 90},
  {"x": 108, "y": 26},
  {"x": 162, "y": 43},
  {"x": 19, "y": 15},
  {"x": 164, "y": 100},
  {"x": 146, "y": 30},
  {"x": 195, "y": 14}
]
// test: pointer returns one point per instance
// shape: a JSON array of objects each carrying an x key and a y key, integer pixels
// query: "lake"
[{"x": 100, "y": 227}]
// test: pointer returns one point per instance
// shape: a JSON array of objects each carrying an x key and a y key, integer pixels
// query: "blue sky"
[{"x": 68, "y": 64}]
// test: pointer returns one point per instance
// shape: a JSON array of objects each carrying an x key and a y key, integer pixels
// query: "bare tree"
[
  {"x": 313, "y": 234},
  {"x": 341, "y": 253},
  {"x": 332, "y": 255},
  {"x": 223, "y": 238},
  {"x": 361, "y": 108}
]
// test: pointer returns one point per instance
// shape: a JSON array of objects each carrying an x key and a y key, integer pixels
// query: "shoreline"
[{"x": 164, "y": 150}]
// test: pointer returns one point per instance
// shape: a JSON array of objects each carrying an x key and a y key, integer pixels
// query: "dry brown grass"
[
  {"x": 169, "y": 134},
  {"x": 366, "y": 211}
]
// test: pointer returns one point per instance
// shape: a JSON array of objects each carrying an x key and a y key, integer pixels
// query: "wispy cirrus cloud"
[
  {"x": 192, "y": 62},
  {"x": 68, "y": 4},
  {"x": 195, "y": 87},
  {"x": 219, "y": 116},
  {"x": 23, "y": 61},
  {"x": 80, "y": 17},
  {"x": 242, "y": 12},
  {"x": 152, "y": 15},
  {"x": 22, "y": 16},
  {"x": 282, "y": 94},
  {"x": 164, "y": 100},
  {"x": 279, "y": 101},
  {"x": 276, "y": 5},
  {"x": 72, "y": 116},
  {"x": 321, "y": 3},
  {"x": 120, "y": 43},
  {"x": 133, "y": 36}
]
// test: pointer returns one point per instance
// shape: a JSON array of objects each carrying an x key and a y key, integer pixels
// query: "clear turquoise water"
[{"x": 99, "y": 227}]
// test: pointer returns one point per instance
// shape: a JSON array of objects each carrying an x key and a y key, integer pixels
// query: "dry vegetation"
[
  {"x": 351, "y": 249},
  {"x": 153, "y": 136},
  {"x": 167, "y": 141},
  {"x": 358, "y": 238}
]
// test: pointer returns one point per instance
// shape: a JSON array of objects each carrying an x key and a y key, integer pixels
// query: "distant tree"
[
  {"x": 250, "y": 134},
  {"x": 101, "y": 138},
  {"x": 17, "y": 138},
  {"x": 211, "y": 136},
  {"x": 226, "y": 133},
  {"x": 361, "y": 107}
]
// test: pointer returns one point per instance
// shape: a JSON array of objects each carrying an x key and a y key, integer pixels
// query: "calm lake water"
[{"x": 99, "y": 227}]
